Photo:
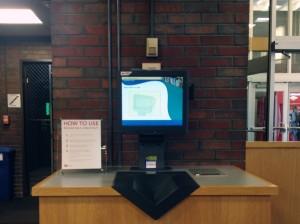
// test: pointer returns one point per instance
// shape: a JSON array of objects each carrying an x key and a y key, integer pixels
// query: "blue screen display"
[{"x": 152, "y": 101}]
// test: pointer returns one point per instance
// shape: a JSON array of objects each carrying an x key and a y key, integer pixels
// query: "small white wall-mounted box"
[{"x": 152, "y": 47}]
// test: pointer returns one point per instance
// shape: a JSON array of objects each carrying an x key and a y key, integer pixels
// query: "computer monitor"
[{"x": 153, "y": 104}]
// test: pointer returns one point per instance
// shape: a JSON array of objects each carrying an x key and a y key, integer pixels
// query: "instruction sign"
[{"x": 81, "y": 144}]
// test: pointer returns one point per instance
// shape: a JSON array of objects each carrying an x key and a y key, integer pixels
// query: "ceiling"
[{"x": 41, "y": 9}]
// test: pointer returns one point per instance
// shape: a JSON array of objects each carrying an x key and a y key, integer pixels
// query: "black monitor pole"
[{"x": 152, "y": 152}]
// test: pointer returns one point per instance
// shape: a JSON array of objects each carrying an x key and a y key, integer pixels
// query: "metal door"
[{"x": 37, "y": 119}]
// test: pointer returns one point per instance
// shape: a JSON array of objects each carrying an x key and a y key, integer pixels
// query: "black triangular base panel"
[{"x": 154, "y": 193}]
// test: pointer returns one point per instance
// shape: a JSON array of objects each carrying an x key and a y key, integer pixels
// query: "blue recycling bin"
[{"x": 6, "y": 172}]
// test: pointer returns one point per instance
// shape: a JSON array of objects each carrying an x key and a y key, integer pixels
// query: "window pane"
[
  {"x": 281, "y": 63},
  {"x": 282, "y": 18},
  {"x": 296, "y": 17},
  {"x": 294, "y": 111},
  {"x": 296, "y": 63}
]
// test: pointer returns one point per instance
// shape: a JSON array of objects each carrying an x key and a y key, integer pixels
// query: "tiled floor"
[{"x": 19, "y": 211}]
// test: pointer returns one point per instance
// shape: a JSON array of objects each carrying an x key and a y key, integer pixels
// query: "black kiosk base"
[
  {"x": 154, "y": 192},
  {"x": 152, "y": 187}
]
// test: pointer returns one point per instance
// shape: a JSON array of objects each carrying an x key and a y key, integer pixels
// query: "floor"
[
  {"x": 19, "y": 211},
  {"x": 23, "y": 210}
]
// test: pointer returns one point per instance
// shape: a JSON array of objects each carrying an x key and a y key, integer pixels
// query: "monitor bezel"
[{"x": 157, "y": 130}]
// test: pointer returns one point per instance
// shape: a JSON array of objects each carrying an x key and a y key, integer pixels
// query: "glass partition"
[{"x": 281, "y": 77}]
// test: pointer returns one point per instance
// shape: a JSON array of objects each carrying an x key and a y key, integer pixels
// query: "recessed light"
[{"x": 18, "y": 16}]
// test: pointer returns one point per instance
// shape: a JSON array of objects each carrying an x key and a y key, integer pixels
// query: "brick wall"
[
  {"x": 208, "y": 38},
  {"x": 11, "y": 56}
]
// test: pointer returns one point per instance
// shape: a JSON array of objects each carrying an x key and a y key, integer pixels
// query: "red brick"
[
  {"x": 171, "y": 51},
  {"x": 84, "y": 40},
  {"x": 169, "y": 8},
  {"x": 217, "y": 40},
  {"x": 217, "y": 62},
  {"x": 203, "y": 155},
  {"x": 200, "y": 29},
  {"x": 193, "y": 18},
  {"x": 66, "y": 72},
  {"x": 201, "y": 7},
  {"x": 130, "y": 7},
  {"x": 63, "y": 7},
  {"x": 183, "y": 40},
  {"x": 242, "y": 18},
  {"x": 105, "y": 84},
  {"x": 239, "y": 124},
  {"x": 199, "y": 114},
  {"x": 222, "y": 134},
  {"x": 130, "y": 146},
  {"x": 130, "y": 156},
  {"x": 216, "y": 144},
  {"x": 214, "y": 104},
  {"x": 134, "y": 29},
  {"x": 202, "y": 71},
  {"x": 229, "y": 155},
  {"x": 67, "y": 51},
  {"x": 215, "y": 83},
  {"x": 84, "y": 62},
  {"x": 234, "y": 7},
  {"x": 232, "y": 51},
  {"x": 96, "y": 94},
  {"x": 234, "y": 72},
  {"x": 67, "y": 29},
  {"x": 215, "y": 124},
  {"x": 169, "y": 29},
  {"x": 96, "y": 29},
  {"x": 230, "y": 114},
  {"x": 79, "y": 114},
  {"x": 84, "y": 83},
  {"x": 184, "y": 145},
  {"x": 217, "y": 18},
  {"x": 202, "y": 93},
  {"x": 230, "y": 93},
  {"x": 60, "y": 40},
  {"x": 176, "y": 18},
  {"x": 82, "y": 19},
  {"x": 239, "y": 145},
  {"x": 133, "y": 40},
  {"x": 133, "y": 51},
  {"x": 181, "y": 62},
  {"x": 201, "y": 134},
  {"x": 59, "y": 62},
  {"x": 95, "y": 7},
  {"x": 197, "y": 51},
  {"x": 85, "y": 103},
  {"x": 67, "y": 93},
  {"x": 241, "y": 61},
  {"x": 96, "y": 51}
]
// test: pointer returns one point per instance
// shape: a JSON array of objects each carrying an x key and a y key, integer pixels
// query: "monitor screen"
[{"x": 152, "y": 100}]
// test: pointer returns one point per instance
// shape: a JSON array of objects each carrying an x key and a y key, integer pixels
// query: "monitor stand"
[{"x": 152, "y": 152}]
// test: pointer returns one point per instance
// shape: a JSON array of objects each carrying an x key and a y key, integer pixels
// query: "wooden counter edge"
[
  {"x": 202, "y": 191},
  {"x": 272, "y": 145}
]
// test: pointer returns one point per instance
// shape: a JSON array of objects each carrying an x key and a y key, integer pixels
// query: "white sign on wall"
[
  {"x": 13, "y": 100},
  {"x": 81, "y": 144}
]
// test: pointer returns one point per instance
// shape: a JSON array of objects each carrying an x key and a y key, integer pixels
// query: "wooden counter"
[
  {"x": 278, "y": 162},
  {"x": 235, "y": 197}
]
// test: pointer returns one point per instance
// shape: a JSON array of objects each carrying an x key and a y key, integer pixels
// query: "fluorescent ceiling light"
[
  {"x": 18, "y": 16},
  {"x": 262, "y": 20}
]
